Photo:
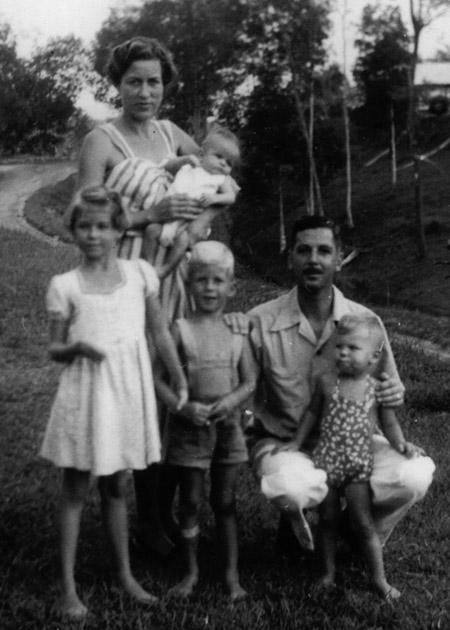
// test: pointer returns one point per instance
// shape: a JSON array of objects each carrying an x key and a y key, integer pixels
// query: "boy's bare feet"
[
  {"x": 325, "y": 583},
  {"x": 70, "y": 607},
  {"x": 132, "y": 588},
  {"x": 185, "y": 587}
]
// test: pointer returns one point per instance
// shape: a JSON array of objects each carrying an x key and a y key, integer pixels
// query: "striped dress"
[{"x": 142, "y": 184}]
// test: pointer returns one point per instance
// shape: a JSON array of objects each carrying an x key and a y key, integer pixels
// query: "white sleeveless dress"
[{"x": 104, "y": 416}]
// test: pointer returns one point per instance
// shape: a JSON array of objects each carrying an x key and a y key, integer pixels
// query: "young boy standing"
[{"x": 207, "y": 432}]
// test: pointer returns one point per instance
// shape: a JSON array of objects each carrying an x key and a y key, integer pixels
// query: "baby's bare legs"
[
  {"x": 73, "y": 494},
  {"x": 191, "y": 494},
  {"x": 114, "y": 512},
  {"x": 175, "y": 253},
  {"x": 223, "y": 485},
  {"x": 329, "y": 512},
  {"x": 150, "y": 242},
  {"x": 359, "y": 505}
]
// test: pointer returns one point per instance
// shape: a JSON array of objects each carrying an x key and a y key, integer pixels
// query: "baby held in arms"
[{"x": 206, "y": 178}]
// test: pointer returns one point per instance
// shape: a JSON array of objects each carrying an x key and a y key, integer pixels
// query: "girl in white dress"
[{"x": 104, "y": 418}]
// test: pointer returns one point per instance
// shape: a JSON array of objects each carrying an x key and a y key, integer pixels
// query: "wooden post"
[
  {"x": 393, "y": 147},
  {"x": 419, "y": 208}
]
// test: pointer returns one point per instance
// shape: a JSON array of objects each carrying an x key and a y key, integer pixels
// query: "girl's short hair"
[
  {"x": 98, "y": 197},
  {"x": 211, "y": 253},
  {"x": 140, "y": 49}
]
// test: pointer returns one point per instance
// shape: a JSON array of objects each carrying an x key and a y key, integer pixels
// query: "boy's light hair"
[
  {"x": 350, "y": 323},
  {"x": 212, "y": 253}
]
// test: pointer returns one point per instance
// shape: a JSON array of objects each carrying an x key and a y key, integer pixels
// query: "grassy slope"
[
  {"x": 417, "y": 557},
  {"x": 387, "y": 272}
]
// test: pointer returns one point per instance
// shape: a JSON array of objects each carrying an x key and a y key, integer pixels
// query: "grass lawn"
[{"x": 417, "y": 556}]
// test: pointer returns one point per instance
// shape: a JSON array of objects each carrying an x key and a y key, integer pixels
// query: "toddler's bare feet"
[
  {"x": 132, "y": 588},
  {"x": 185, "y": 587},
  {"x": 391, "y": 595},
  {"x": 70, "y": 607}
]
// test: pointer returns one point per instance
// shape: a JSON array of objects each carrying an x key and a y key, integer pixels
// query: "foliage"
[
  {"x": 38, "y": 95},
  {"x": 382, "y": 66},
  {"x": 278, "y": 73}
]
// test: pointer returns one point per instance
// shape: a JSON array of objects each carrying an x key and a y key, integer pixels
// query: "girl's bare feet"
[
  {"x": 233, "y": 587},
  {"x": 70, "y": 607},
  {"x": 236, "y": 592},
  {"x": 132, "y": 588},
  {"x": 185, "y": 587}
]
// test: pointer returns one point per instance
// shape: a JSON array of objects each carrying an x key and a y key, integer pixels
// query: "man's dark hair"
[{"x": 314, "y": 222}]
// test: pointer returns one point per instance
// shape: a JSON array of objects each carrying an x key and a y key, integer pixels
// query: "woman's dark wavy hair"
[
  {"x": 95, "y": 197},
  {"x": 141, "y": 49}
]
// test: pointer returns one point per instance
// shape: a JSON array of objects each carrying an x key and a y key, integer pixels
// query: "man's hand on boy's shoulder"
[{"x": 238, "y": 322}]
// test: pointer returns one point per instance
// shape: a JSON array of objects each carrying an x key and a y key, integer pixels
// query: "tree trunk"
[
  {"x": 310, "y": 149},
  {"x": 348, "y": 159},
  {"x": 393, "y": 148},
  {"x": 421, "y": 243}
]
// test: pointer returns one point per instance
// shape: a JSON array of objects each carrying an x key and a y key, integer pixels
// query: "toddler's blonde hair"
[{"x": 370, "y": 323}]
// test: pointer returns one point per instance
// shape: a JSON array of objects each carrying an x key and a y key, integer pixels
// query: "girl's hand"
[
  {"x": 89, "y": 351},
  {"x": 174, "y": 207},
  {"x": 183, "y": 397},
  {"x": 390, "y": 391},
  {"x": 197, "y": 413}
]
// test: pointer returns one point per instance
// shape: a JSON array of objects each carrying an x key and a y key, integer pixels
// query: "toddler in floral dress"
[{"x": 345, "y": 407}]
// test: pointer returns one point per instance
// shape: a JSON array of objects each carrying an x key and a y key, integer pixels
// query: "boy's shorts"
[{"x": 199, "y": 447}]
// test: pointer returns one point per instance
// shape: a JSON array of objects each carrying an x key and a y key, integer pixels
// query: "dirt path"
[{"x": 18, "y": 182}]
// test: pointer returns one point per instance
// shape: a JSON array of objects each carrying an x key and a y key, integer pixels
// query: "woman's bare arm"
[
  {"x": 184, "y": 144},
  {"x": 94, "y": 160}
]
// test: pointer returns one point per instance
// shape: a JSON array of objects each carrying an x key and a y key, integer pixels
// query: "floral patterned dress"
[{"x": 344, "y": 449}]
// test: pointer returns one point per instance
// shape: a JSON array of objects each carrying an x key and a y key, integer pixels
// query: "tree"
[
  {"x": 281, "y": 47},
  {"x": 38, "y": 95},
  {"x": 69, "y": 65},
  {"x": 382, "y": 66}
]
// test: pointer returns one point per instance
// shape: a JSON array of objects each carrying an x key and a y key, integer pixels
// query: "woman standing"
[{"x": 122, "y": 155}]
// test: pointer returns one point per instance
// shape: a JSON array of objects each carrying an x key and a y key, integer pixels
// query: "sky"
[{"x": 34, "y": 21}]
